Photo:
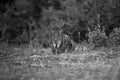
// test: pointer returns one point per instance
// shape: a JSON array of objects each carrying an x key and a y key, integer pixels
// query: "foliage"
[
  {"x": 115, "y": 37},
  {"x": 37, "y": 20},
  {"x": 98, "y": 38}
]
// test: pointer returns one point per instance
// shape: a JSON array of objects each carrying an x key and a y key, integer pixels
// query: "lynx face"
[
  {"x": 56, "y": 42},
  {"x": 61, "y": 45}
]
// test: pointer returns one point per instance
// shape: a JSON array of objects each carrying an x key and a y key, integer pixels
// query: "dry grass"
[{"x": 40, "y": 64}]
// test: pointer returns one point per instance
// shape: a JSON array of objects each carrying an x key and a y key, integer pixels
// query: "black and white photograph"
[{"x": 59, "y": 39}]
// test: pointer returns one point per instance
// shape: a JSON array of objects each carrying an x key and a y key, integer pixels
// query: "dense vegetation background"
[{"x": 26, "y": 21}]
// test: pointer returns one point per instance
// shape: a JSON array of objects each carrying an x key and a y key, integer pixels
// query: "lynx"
[{"x": 61, "y": 43}]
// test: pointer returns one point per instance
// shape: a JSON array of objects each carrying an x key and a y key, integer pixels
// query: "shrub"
[
  {"x": 114, "y": 38},
  {"x": 98, "y": 38}
]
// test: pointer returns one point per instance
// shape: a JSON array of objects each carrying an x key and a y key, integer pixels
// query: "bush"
[
  {"x": 98, "y": 38},
  {"x": 114, "y": 38}
]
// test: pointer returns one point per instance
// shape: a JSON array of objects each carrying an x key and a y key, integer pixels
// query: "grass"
[{"x": 29, "y": 63}]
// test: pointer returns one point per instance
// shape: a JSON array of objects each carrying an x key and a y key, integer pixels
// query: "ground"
[{"x": 28, "y": 63}]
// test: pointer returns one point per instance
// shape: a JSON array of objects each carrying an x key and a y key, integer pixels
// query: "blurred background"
[{"x": 45, "y": 22}]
